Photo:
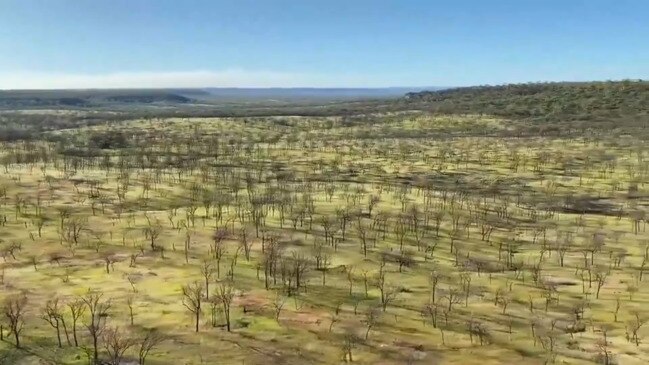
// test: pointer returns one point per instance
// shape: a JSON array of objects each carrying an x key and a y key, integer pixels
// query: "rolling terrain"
[{"x": 482, "y": 225}]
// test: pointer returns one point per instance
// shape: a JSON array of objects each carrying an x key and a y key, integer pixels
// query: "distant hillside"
[
  {"x": 149, "y": 98},
  {"x": 551, "y": 101},
  {"x": 16, "y": 99},
  {"x": 306, "y": 94}
]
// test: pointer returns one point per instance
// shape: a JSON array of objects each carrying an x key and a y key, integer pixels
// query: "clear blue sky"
[{"x": 95, "y": 43}]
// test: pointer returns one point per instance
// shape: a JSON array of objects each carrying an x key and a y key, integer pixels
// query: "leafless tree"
[
  {"x": 349, "y": 342},
  {"x": 72, "y": 228},
  {"x": 98, "y": 309},
  {"x": 453, "y": 296},
  {"x": 362, "y": 232},
  {"x": 207, "y": 271},
  {"x": 372, "y": 316},
  {"x": 431, "y": 310},
  {"x": 218, "y": 247},
  {"x": 14, "y": 310},
  {"x": 130, "y": 302},
  {"x": 225, "y": 294},
  {"x": 603, "y": 347},
  {"x": 601, "y": 274},
  {"x": 246, "y": 242},
  {"x": 372, "y": 201},
  {"x": 116, "y": 344},
  {"x": 53, "y": 315},
  {"x": 618, "y": 304},
  {"x": 633, "y": 327},
  {"x": 152, "y": 232},
  {"x": 301, "y": 265},
  {"x": 278, "y": 304},
  {"x": 77, "y": 309},
  {"x": 388, "y": 293},
  {"x": 148, "y": 341},
  {"x": 192, "y": 300}
]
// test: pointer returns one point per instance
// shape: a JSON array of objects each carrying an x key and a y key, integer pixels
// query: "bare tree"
[
  {"x": 72, "y": 228},
  {"x": 618, "y": 304},
  {"x": 372, "y": 201},
  {"x": 453, "y": 296},
  {"x": 349, "y": 270},
  {"x": 362, "y": 232},
  {"x": 53, "y": 315},
  {"x": 431, "y": 310},
  {"x": 388, "y": 293},
  {"x": 148, "y": 341},
  {"x": 349, "y": 342},
  {"x": 207, "y": 271},
  {"x": 77, "y": 309},
  {"x": 301, "y": 265},
  {"x": 130, "y": 301},
  {"x": 322, "y": 261},
  {"x": 14, "y": 310},
  {"x": 225, "y": 294},
  {"x": 600, "y": 277},
  {"x": 192, "y": 299},
  {"x": 603, "y": 347},
  {"x": 218, "y": 247},
  {"x": 116, "y": 343},
  {"x": 98, "y": 310},
  {"x": 372, "y": 316},
  {"x": 633, "y": 327},
  {"x": 278, "y": 304},
  {"x": 246, "y": 242},
  {"x": 152, "y": 232}
]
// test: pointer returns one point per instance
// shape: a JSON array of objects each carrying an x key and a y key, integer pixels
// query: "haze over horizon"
[{"x": 385, "y": 43}]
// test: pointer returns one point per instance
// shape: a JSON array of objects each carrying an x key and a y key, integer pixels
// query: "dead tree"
[
  {"x": 372, "y": 316},
  {"x": 600, "y": 278},
  {"x": 300, "y": 267},
  {"x": 633, "y": 327},
  {"x": 349, "y": 343},
  {"x": 152, "y": 232},
  {"x": 278, "y": 304},
  {"x": 218, "y": 247},
  {"x": 388, "y": 294},
  {"x": 14, "y": 310},
  {"x": 207, "y": 271},
  {"x": 53, "y": 315},
  {"x": 225, "y": 294},
  {"x": 116, "y": 343},
  {"x": 362, "y": 232},
  {"x": 454, "y": 296},
  {"x": 246, "y": 242},
  {"x": 77, "y": 309},
  {"x": 372, "y": 201},
  {"x": 151, "y": 339},
  {"x": 192, "y": 299},
  {"x": 130, "y": 301},
  {"x": 603, "y": 347},
  {"x": 98, "y": 310}
]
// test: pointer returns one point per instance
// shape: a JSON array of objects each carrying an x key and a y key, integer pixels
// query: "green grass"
[{"x": 452, "y": 158}]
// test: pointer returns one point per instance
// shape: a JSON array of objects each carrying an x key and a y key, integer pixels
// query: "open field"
[{"x": 410, "y": 237}]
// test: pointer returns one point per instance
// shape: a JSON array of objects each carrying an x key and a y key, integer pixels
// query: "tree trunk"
[
  {"x": 198, "y": 313},
  {"x": 96, "y": 353},
  {"x": 58, "y": 336}
]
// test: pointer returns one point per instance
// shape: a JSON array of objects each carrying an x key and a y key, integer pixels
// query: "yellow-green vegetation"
[{"x": 377, "y": 239}]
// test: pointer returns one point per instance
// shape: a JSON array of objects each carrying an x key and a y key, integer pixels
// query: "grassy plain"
[{"x": 508, "y": 208}]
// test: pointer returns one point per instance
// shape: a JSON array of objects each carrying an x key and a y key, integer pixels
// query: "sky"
[{"x": 47, "y": 44}]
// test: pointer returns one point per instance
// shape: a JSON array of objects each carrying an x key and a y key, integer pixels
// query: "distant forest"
[
  {"x": 613, "y": 107},
  {"x": 546, "y": 101}
]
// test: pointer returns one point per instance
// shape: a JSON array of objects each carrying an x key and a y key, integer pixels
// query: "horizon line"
[{"x": 238, "y": 79}]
